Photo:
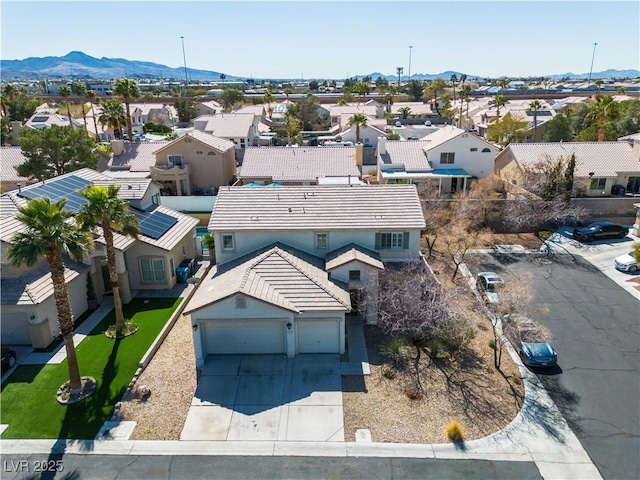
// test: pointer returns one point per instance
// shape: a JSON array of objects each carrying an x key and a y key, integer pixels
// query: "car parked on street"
[
  {"x": 490, "y": 285},
  {"x": 8, "y": 358},
  {"x": 522, "y": 332},
  {"x": 627, "y": 263},
  {"x": 600, "y": 230}
]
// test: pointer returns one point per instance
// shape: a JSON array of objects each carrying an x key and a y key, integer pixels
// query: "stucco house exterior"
[
  {"x": 449, "y": 157},
  {"x": 600, "y": 166},
  {"x": 292, "y": 261},
  {"x": 149, "y": 262},
  {"x": 239, "y": 128}
]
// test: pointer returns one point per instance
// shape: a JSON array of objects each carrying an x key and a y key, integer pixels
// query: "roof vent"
[{"x": 290, "y": 210}]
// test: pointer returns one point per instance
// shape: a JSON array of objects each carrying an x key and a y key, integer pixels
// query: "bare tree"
[
  {"x": 460, "y": 238},
  {"x": 437, "y": 214}
]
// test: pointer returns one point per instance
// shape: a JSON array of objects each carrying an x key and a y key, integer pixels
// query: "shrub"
[
  {"x": 517, "y": 380},
  {"x": 455, "y": 432},
  {"x": 388, "y": 373},
  {"x": 455, "y": 333},
  {"x": 153, "y": 127},
  {"x": 492, "y": 344},
  {"x": 413, "y": 394},
  {"x": 483, "y": 326},
  {"x": 396, "y": 351}
]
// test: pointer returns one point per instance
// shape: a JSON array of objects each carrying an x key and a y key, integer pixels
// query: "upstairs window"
[
  {"x": 354, "y": 275},
  {"x": 392, "y": 240},
  {"x": 322, "y": 241},
  {"x": 227, "y": 242},
  {"x": 447, "y": 157},
  {"x": 174, "y": 160},
  {"x": 241, "y": 301}
]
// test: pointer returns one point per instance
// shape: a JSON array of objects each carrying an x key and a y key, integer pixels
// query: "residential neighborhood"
[{"x": 371, "y": 270}]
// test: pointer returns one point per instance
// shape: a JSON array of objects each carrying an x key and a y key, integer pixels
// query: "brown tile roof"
[
  {"x": 137, "y": 156},
  {"x": 339, "y": 207},
  {"x": 303, "y": 164},
  {"x": 350, "y": 253},
  {"x": 207, "y": 139},
  {"x": 226, "y": 125}
]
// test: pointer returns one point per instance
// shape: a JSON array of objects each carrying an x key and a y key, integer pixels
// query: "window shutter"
[
  {"x": 405, "y": 240},
  {"x": 378, "y": 241}
]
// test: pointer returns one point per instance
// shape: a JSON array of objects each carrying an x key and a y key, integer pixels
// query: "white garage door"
[
  {"x": 244, "y": 336},
  {"x": 15, "y": 329},
  {"x": 319, "y": 335}
]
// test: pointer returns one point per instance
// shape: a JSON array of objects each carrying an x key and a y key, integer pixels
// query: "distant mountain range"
[{"x": 81, "y": 65}]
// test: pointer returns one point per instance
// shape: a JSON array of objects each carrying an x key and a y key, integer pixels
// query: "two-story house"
[
  {"x": 239, "y": 128},
  {"x": 149, "y": 262},
  {"x": 292, "y": 261}
]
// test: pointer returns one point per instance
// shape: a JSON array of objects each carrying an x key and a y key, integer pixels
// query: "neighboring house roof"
[
  {"x": 411, "y": 154},
  {"x": 35, "y": 286},
  {"x": 340, "y": 110},
  {"x": 416, "y": 108},
  {"x": 46, "y": 120},
  {"x": 207, "y": 139},
  {"x": 11, "y": 157},
  {"x": 304, "y": 164},
  {"x": 167, "y": 240},
  {"x": 154, "y": 108},
  {"x": 212, "y": 104},
  {"x": 350, "y": 253},
  {"x": 603, "y": 159},
  {"x": 630, "y": 138},
  {"x": 225, "y": 125},
  {"x": 317, "y": 207},
  {"x": 252, "y": 109},
  {"x": 447, "y": 133},
  {"x": 279, "y": 275},
  {"x": 137, "y": 156}
]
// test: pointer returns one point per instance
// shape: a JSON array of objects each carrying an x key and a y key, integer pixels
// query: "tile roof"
[
  {"x": 212, "y": 104},
  {"x": 252, "y": 109},
  {"x": 350, "y": 253},
  {"x": 207, "y": 139},
  {"x": 411, "y": 154},
  {"x": 36, "y": 285},
  {"x": 339, "y": 110},
  {"x": 417, "y": 108},
  {"x": 303, "y": 164},
  {"x": 46, "y": 120},
  {"x": 225, "y": 125},
  {"x": 137, "y": 156},
  {"x": 11, "y": 157},
  {"x": 279, "y": 275},
  {"x": 604, "y": 159},
  {"x": 339, "y": 207}
]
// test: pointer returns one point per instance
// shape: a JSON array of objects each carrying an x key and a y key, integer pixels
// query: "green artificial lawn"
[{"x": 28, "y": 398}]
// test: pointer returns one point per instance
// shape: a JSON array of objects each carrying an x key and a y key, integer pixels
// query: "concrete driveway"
[{"x": 267, "y": 397}]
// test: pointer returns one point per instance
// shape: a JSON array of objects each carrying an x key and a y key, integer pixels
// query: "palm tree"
[
  {"x": 599, "y": 84},
  {"x": 64, "y": 93},
  {"x": 91, "y": 96},
  {"x": 287, "y": 92},
  {"x": 603, "y": 109},
  {"x": 503, "y": 82},
  {"x": 48, "y": 234},
  {"x": 454, "y": 83},
  {"x": 499, "y": 101},
  {"x": 464, "y": 95},
  {"x": 105, "y": 208},
  {"x": 534, "y": 106},
  {"x": 79, "y": 89},
  {"x": 128, "y": 90},
  {"x": 113, "y": 116},
  {"x": 8, "y": 92},
  {"x": 404, "y": 111},
  {"x": 359, "y": 120},
  {"x": 268, "y": 97}
]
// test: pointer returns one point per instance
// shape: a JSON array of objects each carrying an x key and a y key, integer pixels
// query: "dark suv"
[
  {"x": 8, "y": 358},
  {"x": 599, "y": 230}
]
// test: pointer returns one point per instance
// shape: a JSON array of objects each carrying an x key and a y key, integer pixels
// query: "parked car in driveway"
[
  {"x": 627, "y": 263},
  {"x": 600, "y": 230},
  {"x": 523, "y": 334},
  {"x": 8, "y": 358},
  {"x": 490, "y": 285}
]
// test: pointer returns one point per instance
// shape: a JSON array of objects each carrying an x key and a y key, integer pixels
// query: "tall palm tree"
[
  {"x": 504, "y": 83},
  {"x": 534, "y": 106},
  {"x": 128, "y": 90},
  {"x": 79, "y": 89},
  {"x": 91, "y": 96},
  {"x": 603, "y": 110},
  {"x": 499, "y": 101},
  {"x": 8, "y": 92},
  {"x": 65, "y": 92},
  {"x": 464, "y": 95},
  {"x": 599, "y": 84},
  {"x": 113, "y": 116},
  {"x": 105, "y": 208},
  {"x": 454, "y": 84},
  {"x": 268, "y": 97},
  {"x": 360, "y": 121},
  {"x": 48, "y": 234}
]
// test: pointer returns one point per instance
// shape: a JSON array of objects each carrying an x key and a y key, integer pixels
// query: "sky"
[{"x": 330, "y": 39}]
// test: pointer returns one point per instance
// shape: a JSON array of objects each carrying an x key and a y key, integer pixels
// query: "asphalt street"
[
  {"x": 116, "y": 467},
  {"x": 595, "y": 326}
]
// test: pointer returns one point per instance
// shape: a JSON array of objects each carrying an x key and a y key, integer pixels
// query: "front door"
[
  {"x": 105, "y": 275},
  {"x": 454, "y": 184},
  {"x": 356, "y": 295}
]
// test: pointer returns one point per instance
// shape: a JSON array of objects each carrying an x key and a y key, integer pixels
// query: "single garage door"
[
  {"x": 245, "y": 336},
  {"x": 15, "y": 328},
  {"x": 319, "y": 335}
]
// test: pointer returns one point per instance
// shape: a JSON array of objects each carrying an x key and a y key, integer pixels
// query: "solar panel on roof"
[
  {"x": 156, "y": 224},
  {"x": 65, "y": 187},
  {"x": 40, "y": 118}
]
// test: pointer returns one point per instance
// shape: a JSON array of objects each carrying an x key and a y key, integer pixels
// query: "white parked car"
[
  {"x": 427, "y": 123},
  {"x": 627, "y": 263},
  {"x": 490, "y": 284}
]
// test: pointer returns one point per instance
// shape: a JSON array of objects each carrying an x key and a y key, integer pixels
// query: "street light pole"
[
  {"x": 591, "y": 69},
  {"x": 184, "y": 58},
  {"x": 410, "y": 47}
]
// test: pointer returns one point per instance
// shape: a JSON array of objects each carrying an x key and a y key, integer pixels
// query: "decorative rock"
[{"x": 64, "y": 396}]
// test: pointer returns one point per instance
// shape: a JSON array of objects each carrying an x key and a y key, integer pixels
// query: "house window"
[
  {"x": 486, "y": 150},
  {"x": 598, "y": 183},
  {"x": 227, "y": 242},
  {"x": 241, "y": 302},
  {"x": 199, "y": 152},
  {"x": 173, "y": 160},
  {"x": 354, "y": 275},
  {"x": 322, "y": 241},
  {"x": 474, "y": 149},
  {"x": 242, "y": 143},
  {"x": 184, "y": 250},
  {"x": 447, "y": 157},
  {"x": 392, "y": 240},
  {"x": 211, "y": 153},
  {"x": 171, "y": 269},
  {"x": 155, "y": 199},
  {"x": 152, "y": 270}
]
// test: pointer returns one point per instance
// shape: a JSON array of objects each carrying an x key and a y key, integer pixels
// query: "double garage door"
[{"x": 268, "y": 336}]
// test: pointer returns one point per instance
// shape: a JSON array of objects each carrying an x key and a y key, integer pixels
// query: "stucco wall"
[{"x": 475, "y": 163}]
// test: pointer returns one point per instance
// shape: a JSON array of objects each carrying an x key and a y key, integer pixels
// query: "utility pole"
[
  {"x": 184, "y": 58},
  {"x": 410, "y": 48},
  {"x": 591, "y": 69}
]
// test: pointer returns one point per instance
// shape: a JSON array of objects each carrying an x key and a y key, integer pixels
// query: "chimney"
[
  {"x": 117, "y": 146},
  {"x": 382, "y": 145},
  {"x": 359, "y": 154}
]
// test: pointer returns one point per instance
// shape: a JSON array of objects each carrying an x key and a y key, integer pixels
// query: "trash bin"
[{"x": 183, "y": 274}]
